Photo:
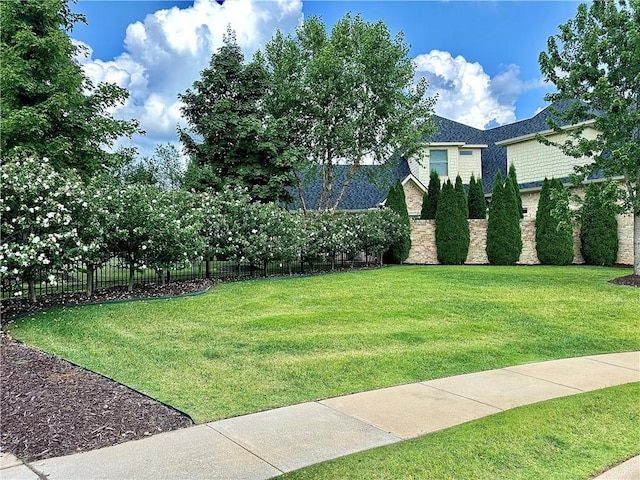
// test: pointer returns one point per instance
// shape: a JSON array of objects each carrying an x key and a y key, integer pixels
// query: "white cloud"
[
  {"x": 467, "y": 94},
  {"x": 165, "y": 53}
]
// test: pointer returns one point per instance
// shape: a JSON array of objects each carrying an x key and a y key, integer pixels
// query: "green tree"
[
  {"x": 351, "y": 96},
  {"x": 477, "y": 203},
  {"x": 229, "y": 139},
  {"x": 461, "y": 197},
  {"x": 514, "y": 182},
  {"x": 396, "y": 201},
  {"x": 48, "y": 107},
  {"x": 452, "y": 226},
  {"x": 595, "y": 59},
  {"x": 504, "y": 237},
  {"x": 430, "y": 198},
  {"x": 598, "y": 224},
  {"x": 554, "y": 232}
]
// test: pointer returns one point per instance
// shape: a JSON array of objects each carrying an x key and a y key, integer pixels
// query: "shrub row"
[{"x": 49, "y": 220}]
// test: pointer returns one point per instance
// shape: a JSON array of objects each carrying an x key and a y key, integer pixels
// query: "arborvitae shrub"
[
  {"x": 462, "y": 196},
  {"x": 516, "y": 188},
  {"x": 554, "y": 233},
  {"x": 452, "y": 227},
  {"x": 477, "y": 203},
  {"x": 504, "y": 238},
  {"x": 430, "y": 198},
  {"x": 598, "y": 226},
  {"x": 397, "y": 202}
]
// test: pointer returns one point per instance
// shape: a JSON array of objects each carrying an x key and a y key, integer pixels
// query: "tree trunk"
[
  {"x": 345, "y": 184},
  {"x": 636, "y": 243}
]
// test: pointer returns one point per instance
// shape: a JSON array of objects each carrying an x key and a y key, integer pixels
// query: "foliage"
[
  {"x": 598, "y": 225},
  {"x": 452, "y": 226},
  {"x": 504, "y": 238},
  {"x": 516, "y": 187},
  {"x": 430, "y": 198},
  {"x": 554, "y": 232},
  {"x": 37, "y": 230},
  {"x": 164, "y": 169},
  {"x": 48, "y": 107},
  {"x": 397, "y": 203},
  {"x": 230, "y": 136},
  {"x": 594, "y": 62},
  {"x": 461, "y": 197},
  {"x": 343, "y": 98},
  {"x": 477, "y": 202}
]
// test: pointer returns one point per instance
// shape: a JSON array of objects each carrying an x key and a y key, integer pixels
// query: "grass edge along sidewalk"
[{"x": 573, "y": 437}]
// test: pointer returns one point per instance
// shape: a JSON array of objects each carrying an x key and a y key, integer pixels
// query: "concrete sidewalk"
[{"x": 267, "y": 444}]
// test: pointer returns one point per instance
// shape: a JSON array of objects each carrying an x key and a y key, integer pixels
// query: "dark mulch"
[
  {"x": 12, "y": 307},
  {"x": 50, "y": 407},
  {"x": 630, "y": 280}
]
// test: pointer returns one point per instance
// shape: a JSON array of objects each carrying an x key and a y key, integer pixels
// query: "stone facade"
[
  {"x": 423, "y": 242},
  {"x": 413, "y": 196}
]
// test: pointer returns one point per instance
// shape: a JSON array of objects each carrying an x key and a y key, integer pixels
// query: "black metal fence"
[{"x": 73, "y": 277}]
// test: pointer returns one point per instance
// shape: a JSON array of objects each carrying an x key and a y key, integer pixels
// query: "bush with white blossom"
[{"x": 37, "y": 227}]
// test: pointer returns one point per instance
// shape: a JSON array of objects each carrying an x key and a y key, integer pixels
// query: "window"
[
  {"x": 466, "y": 152},
  {"x": 438, "y": 161}
]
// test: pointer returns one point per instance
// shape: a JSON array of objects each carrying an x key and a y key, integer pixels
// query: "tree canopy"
[
  {"x": 48, "y": 107},
  {"x": 594, "y": 62},
  {"x": 230, "y": 140},
  {"x": 345, "y": 97}
]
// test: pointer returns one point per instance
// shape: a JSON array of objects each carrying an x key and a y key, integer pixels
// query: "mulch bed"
[
  {"x": 630, "y": 280},
  {"x": 50, "y": 407}
]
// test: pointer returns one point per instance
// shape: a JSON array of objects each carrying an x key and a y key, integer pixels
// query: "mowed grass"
[
  {"x": 250, "y": 346},
  {"x": 569, "y": 438}
]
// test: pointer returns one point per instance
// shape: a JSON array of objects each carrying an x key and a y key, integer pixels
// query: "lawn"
[
  {"x": 569, "y": 438},
  {"x": 254, "y": 345}
]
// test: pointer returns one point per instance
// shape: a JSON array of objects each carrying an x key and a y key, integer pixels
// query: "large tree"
[
  {"x": 48, "y": 107},
  {"x": 348, "y": 97},
  {"x": 595, "y": 59},
  {"x": 230, "y": 140}
]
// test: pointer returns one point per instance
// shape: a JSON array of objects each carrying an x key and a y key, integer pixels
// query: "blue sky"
[{"x": 481, "y": 57}]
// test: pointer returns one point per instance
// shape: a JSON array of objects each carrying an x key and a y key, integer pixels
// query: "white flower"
[
  {"x": 17, "y": 294},
  {"x": 144, "y": 247},
  {"x": 36, "y": 239}
]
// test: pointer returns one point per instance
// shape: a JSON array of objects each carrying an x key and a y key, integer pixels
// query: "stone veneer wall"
[{"x": 423, "y": 244}]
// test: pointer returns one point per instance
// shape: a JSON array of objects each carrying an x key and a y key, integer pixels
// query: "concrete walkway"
[{"x": 264, "y": 445}]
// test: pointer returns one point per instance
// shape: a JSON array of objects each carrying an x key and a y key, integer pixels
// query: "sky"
[{"x": 479, "y": 57}]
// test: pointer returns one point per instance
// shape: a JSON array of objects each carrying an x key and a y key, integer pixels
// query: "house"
[
  {"x": 461, "y": 149},
  {"x": 464, "y": 150}
]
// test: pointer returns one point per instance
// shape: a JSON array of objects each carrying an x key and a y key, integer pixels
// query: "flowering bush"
[
  {"x": 49, "y": 220},
  {"x": 37, "y": 226}
]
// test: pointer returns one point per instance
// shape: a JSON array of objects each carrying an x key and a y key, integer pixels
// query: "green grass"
[
  {"x": 250, "y": 346},
  {"x": 570, "y": 438}
]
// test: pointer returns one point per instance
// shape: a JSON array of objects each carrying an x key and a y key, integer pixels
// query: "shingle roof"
[
  {"x": 494, "y": 157},
  {"x": 368, "y": 188}
]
